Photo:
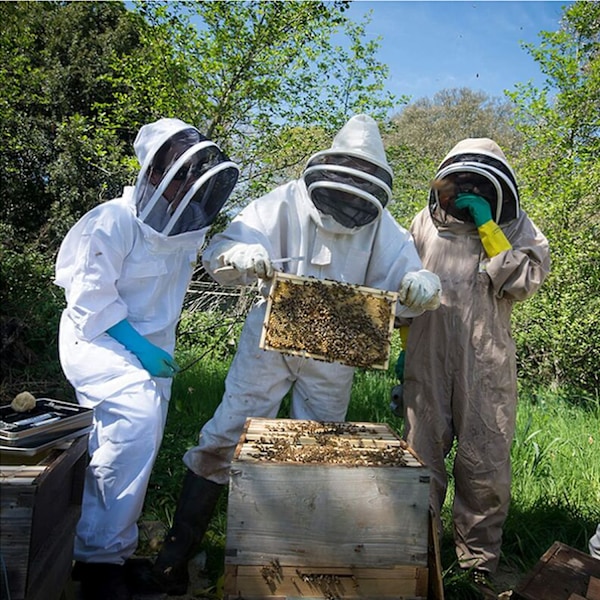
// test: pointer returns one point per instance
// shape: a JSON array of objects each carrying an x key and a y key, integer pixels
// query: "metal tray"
[
  {"x": 31, "y": 448},
  {"x": 48, "y": 421}
]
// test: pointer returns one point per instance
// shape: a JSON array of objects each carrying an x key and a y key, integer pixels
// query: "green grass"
[{"x": 555, "y": 458}]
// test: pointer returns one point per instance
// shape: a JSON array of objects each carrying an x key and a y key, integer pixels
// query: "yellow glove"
[
  {"x": 493, "y": 239},
  {"x": 403, "y": 335}
]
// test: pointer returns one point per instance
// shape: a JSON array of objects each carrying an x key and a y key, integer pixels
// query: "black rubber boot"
[
  {"x": 101, "y": 581},
  {"x": 195, "y": 508}
]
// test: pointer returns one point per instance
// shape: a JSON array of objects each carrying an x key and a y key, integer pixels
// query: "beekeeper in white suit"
[
  {"x": 334, "y": 217},
  {"x": 125, "y": 267}
]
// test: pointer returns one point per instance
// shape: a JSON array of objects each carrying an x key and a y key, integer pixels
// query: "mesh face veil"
[
  {"x": 483, "y": 171},
  {"x": 351, "y": 182},
  {"x": 185, "y": 184}
]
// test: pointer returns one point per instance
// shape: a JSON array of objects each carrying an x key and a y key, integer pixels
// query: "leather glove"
[
  {"x": 478, "y": 207},
  {"x": 154, "y": 359},
  {"x": 420, "y": 290},
  {"x": 250, "y": 259}
]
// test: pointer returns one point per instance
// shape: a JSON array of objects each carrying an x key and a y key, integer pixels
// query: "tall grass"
[{"x": 555, "y": 459}]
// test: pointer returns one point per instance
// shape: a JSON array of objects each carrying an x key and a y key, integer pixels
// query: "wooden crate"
[
  {"x": 326, "y": 510},
  {"x": 330, "y": 321},
  {"x": 562, "y": 573},
  {"x": 39, "y": 509}
]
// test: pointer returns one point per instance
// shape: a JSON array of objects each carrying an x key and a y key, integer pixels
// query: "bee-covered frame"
[{"x": 329, "y": 320}]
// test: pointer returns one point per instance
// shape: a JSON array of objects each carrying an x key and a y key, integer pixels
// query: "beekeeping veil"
[
  {"x": 476, "y": 165},
  {"x": 184, "y": 180},
  {"x": 351, "y": 182}
]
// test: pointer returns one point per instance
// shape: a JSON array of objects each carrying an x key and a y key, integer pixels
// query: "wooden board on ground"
[
  {"x": 559, "y": 574},
  {"x": 330, "y": 321}
]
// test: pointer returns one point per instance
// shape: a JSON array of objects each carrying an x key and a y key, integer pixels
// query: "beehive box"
[
  {"x": 562, "y": 573},
  {"x": 40, "y": 504},
  {"x": 330, "y": 321},
  {"x": 326, "y": 510}
]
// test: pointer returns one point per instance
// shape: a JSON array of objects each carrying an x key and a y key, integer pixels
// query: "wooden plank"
[
  {"x": 20, "y": 474},
  {"x": 593, "y": 590},
  {"x": 561, "y": 571},
  {"x": 16, "y": 510},
  {"x": 38, "y": 523},
  {"x": 57, "y": 490},
  {"x": 434, "y": 560},
  {"x": 363, "y": 516},
  {"x": 50, "y": 568},
  {"x": 274, "y": 580}
]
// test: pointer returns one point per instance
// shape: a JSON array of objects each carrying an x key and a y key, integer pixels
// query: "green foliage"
[
  {"x": 557, "y": 331},
  {"x": 79, "y": 78},
  {"x": 52, "y": 59},
  {"x": 270, "y": 81},
  {"x": 31, "y": 308}
]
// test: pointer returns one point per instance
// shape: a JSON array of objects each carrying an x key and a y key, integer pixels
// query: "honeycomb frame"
[{"x": 329, "y": 321}]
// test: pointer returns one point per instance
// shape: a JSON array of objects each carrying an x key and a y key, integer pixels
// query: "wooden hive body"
[
  {"x": 562, "y": 573},
  {"x": 39, "y": 509},
  {"x": 350, "y": 523}
]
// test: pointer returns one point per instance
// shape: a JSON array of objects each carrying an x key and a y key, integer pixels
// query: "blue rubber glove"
[
  {"x": 154, "y": 359},
  {"x": 478, "y": 207}
]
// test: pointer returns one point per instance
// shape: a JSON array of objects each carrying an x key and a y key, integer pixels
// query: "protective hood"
[
  {"x": 475, "y": 165},
  {"x": 352, "y": 181},
  {"x": 184, "y": 180}
]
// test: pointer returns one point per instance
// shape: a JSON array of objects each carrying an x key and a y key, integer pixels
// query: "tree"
[
  {"x": 560, "y": 165},
  {"x": 264, "y": 79},
  {"x": 425, "y": 131},
  {"x": 53, "y": 57}
]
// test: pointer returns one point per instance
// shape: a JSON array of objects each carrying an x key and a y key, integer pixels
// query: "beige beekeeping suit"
[{"x": 460, "y": 370}]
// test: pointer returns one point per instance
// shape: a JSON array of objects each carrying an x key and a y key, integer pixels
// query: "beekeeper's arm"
[
  {"x": 89, "y": 263},
  {"x": 395, "y": 265},
  {"x": 517, "y": 270},
  {"x": 492, "y": 237},
  {"x": 240, "y": 254}
]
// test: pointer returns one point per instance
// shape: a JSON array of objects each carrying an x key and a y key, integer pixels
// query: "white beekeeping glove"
[
  {"x": 249, "y": 259},
  {"x": 420, "y": 290}
]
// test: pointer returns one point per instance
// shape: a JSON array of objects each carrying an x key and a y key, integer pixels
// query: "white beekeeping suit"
[
  {"x": 335, "y": 219},
  {"x": 125, "y": 267},
  {"x": 594, "y": 544}
]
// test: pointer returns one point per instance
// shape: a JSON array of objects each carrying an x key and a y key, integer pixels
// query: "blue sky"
[{"x": 431, "y": 45}]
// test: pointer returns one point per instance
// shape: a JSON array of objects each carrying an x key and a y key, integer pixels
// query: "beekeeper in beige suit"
[{"x": 460, "y": 369}]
